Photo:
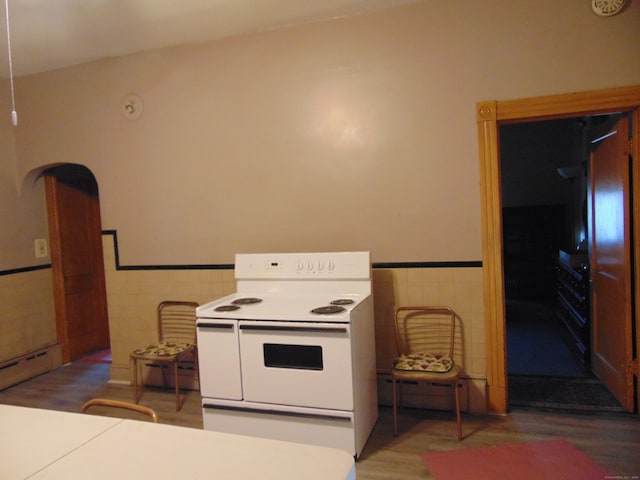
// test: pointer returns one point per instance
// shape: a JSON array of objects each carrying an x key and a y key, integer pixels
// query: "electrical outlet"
[{"x": 41, "y": 247}]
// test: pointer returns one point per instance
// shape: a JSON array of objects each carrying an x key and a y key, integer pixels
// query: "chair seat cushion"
[
  {"x": 424, "y": 362},
  {"x": 163, "y": 349}
]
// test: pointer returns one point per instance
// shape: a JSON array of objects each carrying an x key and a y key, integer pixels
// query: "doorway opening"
[
  {"x": 544, "y": 167},
  {"x": 490, "y": 116},
  {"x": 77, "y": 260}
]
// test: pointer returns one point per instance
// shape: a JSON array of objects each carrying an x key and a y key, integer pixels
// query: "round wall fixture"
[
  {"x": 132, "y": 107},
  {"x": 606, "y": 8}
]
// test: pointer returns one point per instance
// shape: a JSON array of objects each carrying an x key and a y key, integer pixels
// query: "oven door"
[
  {"x": 297, "y": 363},
  {"x": 219, "y": 358}
]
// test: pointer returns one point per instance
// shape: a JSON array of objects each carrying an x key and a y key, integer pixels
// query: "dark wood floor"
[{"x": 611, "y": 440}]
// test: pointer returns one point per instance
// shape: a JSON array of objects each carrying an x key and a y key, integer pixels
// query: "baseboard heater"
[{"x": 29, "y": 365}]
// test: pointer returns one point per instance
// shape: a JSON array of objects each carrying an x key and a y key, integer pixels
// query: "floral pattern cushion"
[
  {"x": 163, "y": 349},
  {"x": 424, "y": 362}
]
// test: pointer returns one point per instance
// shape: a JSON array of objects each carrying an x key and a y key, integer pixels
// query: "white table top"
[
  {"x": 48, "y": 445},
  {"x": 32, "y": 438}
]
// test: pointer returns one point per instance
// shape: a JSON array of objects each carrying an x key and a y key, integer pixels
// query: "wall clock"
[{"x": 606, "y": 8}]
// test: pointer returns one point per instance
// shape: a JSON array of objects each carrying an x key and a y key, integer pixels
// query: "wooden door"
[
  {"x": 77, "y": 261},
  {"x": 610, "y": 241}
]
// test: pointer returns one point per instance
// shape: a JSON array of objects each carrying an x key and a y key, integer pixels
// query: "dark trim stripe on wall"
[
  {"x": 15, "y": 271},
  {"x": 464, "y": 264},
  {"x": 230, "y": 266},
  {"x": 114, "y": 234}
]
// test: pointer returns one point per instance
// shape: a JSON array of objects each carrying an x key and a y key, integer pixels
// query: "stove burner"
[
  {"x": 342, "y": 301},
  {"x": 328, "y": 309},
  {"x": 246, "y": 301},
  {"x": 227, "y": 308}
]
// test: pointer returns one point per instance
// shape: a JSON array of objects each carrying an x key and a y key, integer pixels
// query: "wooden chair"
[
  {"x": 103, "y": 402},
  {"x": 176, "y": 342},
  {"x": 425, "y": 341}
]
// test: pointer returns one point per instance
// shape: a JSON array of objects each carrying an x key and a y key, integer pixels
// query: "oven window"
[{"x": 305, "y": 357}]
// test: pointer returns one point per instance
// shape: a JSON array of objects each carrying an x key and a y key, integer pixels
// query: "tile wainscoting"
[
  {"x": 133, "y": 295},
  {"x": 457, "y": 287},
  {"x": 28, "y": 344}
]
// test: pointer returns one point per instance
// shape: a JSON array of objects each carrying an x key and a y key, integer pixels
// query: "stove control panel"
[{"x": 300, "y": 266}]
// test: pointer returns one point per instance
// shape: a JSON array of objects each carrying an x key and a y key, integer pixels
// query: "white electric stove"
[{"x": 291, "y": 354}]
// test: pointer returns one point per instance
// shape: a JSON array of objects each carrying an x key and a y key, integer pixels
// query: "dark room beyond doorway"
[{"x": 544, "y": 186}]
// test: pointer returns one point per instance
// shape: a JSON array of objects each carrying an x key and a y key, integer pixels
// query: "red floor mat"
[{"x": 551, "y": 459}]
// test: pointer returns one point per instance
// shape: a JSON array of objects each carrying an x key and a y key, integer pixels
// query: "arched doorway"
[{"x": 77, "y": 262}]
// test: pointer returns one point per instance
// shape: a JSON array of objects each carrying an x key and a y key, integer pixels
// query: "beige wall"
[
  {"x": 22, "y": 206},
  {"x": 27, "y": 321},
  {"x": 351, "y": 134}
]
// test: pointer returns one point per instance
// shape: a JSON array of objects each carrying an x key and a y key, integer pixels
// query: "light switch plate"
[{"x": 41, "y": 247}]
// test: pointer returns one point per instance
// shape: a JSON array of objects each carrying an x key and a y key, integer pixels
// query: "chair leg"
[
  {"x": 456, "y": 394},
  {"x": 164, "y": 376},
  {"x": 197, "y": 367},
  {"x": 135, "y": 379},
  {"x": 177, "y": 382},
  {"x": 395, "y": 406}
]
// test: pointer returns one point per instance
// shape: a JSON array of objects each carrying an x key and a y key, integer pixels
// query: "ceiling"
[{"x": 50, "y": 34}]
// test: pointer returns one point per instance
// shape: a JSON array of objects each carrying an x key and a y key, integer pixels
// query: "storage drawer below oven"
[{"x": 328, "y": 428}]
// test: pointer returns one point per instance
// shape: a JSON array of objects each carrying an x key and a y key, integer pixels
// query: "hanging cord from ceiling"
[{"x": 14, "y": 114}]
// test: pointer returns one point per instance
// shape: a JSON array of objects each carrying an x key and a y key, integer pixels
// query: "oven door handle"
[
  {"x": 266, "y": 411},
  {"x": 215, "y": 325},
  {"x": 276, "y": 328}
]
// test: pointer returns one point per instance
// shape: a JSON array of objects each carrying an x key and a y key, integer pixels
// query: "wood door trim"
[
  {"x": 62, "y": 333},
  {"x": 489, "y": 115},
  {"x": 635, "y": 211},
  {"x": 568, "y": 105},
  {"x": 76, "y": 249}
]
